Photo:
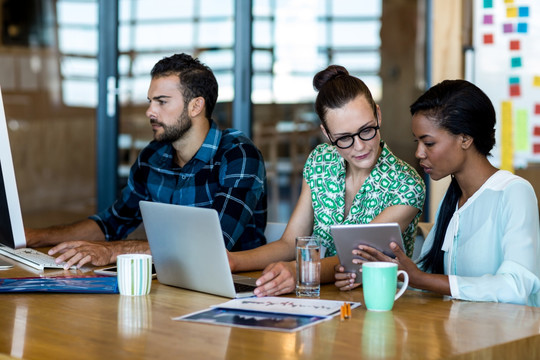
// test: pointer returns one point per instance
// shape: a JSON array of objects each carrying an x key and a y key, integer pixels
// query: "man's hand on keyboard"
[{"x": 79, "y": 253}]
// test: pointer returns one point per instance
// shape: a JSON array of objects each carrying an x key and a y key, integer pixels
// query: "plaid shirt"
[{"x": 226, "y": 174}]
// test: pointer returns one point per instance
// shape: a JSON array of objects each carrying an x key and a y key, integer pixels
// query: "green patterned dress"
[{"x": 391, "y": 182}]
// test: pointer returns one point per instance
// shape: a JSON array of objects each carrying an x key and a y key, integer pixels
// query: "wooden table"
[{"x": 421, "y": 326}]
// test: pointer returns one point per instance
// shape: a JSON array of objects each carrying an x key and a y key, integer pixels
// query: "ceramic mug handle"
[{"x": 405, "y": 284}]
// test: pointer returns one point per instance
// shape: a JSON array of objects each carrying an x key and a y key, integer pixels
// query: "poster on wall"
[{"x": 506, "y": 39}]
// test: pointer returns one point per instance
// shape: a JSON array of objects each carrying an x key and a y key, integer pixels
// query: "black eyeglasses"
[{"x": 365, "y": 134}]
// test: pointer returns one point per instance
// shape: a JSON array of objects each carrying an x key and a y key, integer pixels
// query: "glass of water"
[{"x": 308, "y": 266}]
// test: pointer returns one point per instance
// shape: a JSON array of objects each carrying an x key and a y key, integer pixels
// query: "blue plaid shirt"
[{"x": 226, "y": 174}]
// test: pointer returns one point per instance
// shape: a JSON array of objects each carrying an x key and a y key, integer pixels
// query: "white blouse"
[{"x": 492, "y": 243}]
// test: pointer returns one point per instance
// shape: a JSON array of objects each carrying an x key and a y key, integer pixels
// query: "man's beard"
[{"x": 171, "y": 133}]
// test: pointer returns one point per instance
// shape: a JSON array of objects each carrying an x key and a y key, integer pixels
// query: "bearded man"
[{"x": 189, "y": 162}]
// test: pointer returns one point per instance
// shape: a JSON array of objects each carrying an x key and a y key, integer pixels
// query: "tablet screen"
[{"x": 378, "y": 235}]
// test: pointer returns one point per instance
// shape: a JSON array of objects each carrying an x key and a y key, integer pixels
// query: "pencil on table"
[{"x": 345, "y": 312}]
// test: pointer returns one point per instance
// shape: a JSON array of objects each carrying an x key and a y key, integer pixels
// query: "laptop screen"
[{"x": 11, "y": 225}]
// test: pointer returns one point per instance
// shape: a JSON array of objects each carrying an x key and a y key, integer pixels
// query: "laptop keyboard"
[
  {"x": 31, "y": 257},
  {"x": 242, "y": 288}
]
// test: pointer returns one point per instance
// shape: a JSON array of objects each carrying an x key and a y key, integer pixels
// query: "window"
[
  {"x": 292, "y": 40},
  {"x": 295, "y": 39},
  {"x": 152, "y": 29},
  {"x": 78, "y": 43}
]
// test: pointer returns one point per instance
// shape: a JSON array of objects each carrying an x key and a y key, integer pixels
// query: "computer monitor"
[{"x": 11, "y": 224}]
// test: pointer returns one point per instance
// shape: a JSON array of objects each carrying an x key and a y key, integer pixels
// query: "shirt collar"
[
  {"x": 164, "y": 155},
  {"x": 210, "y": 145},
  {"x": 385, "y": 153}
]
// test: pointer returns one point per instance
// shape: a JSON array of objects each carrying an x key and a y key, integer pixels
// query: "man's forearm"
[
  {"x": 128, "y": 247},
  {"x": 86, "y": 229}
]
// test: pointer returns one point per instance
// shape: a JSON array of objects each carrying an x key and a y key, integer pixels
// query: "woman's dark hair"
[
  {"x": 336, "y": 88},
  {"x": 460, "y": 108},
  {"x": 196, "y": 79}
]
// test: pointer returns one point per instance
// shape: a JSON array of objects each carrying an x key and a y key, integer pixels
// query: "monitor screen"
[{"x": 11, "y": 225}]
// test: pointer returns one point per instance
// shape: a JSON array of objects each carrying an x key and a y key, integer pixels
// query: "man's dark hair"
[{"x": 195, "y": 78}]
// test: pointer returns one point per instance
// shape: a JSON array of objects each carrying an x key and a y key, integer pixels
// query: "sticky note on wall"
[
  {"x": 515, "y": 45},
  {"x": 515, "y": 90},
  {"x": 522, "y": 28},
  {"x": 521, "y": 138},
  {"x": 523, "y": 11},
  {"x": 507, "y": 152},
  {"x": 536, "y": 81},
  {"x": 511, "y": 12}
]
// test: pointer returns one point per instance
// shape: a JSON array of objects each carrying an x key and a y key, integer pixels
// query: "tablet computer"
[{"x": 377, "y": 235}]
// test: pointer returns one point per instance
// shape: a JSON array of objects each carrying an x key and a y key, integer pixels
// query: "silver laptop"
[{"x": 189, "y": 252}]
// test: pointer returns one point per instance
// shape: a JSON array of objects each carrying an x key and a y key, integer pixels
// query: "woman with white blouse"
[{"x": 485, "y": 243}]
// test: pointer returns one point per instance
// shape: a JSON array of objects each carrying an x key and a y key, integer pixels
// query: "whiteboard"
[{"x": 506, "y": 66}]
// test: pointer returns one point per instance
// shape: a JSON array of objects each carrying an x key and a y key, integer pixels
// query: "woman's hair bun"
[{"x": 331, "y": 72}]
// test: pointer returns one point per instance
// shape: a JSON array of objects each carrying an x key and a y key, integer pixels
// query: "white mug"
[{"x": 134, "y": 274}]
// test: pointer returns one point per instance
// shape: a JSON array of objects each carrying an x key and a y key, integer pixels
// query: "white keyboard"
[{"x": 31, "y": 257}]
